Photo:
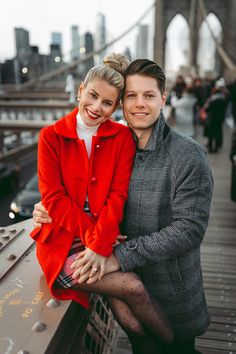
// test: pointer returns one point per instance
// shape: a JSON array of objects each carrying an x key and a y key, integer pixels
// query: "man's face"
[{"x": 142, "y": 102}]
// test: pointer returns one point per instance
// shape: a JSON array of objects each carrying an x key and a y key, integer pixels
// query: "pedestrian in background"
[
  {"x": 184, "y": 111},
  {"x": 215, "y": 107}
]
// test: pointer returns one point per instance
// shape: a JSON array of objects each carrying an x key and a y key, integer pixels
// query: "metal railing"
[
  {"x": 33, "y": 110},
  {"x": 46, "y": 326},
  {"x": 102, "y": 329}
]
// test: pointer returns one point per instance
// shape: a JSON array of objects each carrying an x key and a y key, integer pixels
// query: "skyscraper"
[
  {"x": 22, "y": 43},
  {"x": 56, "y": 38},
  {"x": 142, "y": 42},
  {"x": 100, "y": 35},
  {"x": 89, "y": 48},
  {"x": 75, "y": 39},
  {"x": 23, "y": 55},
  {"x": 56, "y": 44}
]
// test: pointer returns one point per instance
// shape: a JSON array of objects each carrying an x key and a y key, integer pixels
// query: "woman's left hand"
[
  {"x": 86, "y": 260},
  {"x": 112, "y": 265}
]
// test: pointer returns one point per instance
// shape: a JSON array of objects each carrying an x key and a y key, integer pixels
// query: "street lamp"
[
  {"x": 82, "y": 50},
  {"x": 24, "y": 70},
  {"x": 57, "y": 59}
]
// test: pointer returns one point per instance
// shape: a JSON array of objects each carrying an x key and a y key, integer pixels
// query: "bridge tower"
[{"x": 165, "y": 11}]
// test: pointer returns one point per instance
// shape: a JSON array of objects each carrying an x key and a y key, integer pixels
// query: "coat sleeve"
[
  {"x": 102, "y": 238},
  {"x": 190, "y": 213},
  {"x": 64, "y": 212}
]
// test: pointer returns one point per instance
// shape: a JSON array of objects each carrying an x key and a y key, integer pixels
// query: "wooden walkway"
[{"x": 218, "y": 263}]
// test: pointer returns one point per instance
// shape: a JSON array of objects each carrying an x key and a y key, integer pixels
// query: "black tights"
[
  {"x": 137, "y": 313},
  {"x": 140, "y": 339}
]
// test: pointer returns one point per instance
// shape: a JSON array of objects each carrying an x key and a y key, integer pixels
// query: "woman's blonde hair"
[{"x": 112, "y": 71}]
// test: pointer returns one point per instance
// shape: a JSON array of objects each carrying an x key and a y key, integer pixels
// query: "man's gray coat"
[{"x": 166, "y": 218}]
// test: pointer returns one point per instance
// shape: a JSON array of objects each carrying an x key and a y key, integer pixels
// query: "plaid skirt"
[{"x": 64, "y": 279}]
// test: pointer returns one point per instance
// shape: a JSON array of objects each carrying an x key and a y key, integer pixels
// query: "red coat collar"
[{"x": 66, "y": 127}]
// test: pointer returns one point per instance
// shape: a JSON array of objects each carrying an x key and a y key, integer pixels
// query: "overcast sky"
[{"x": 42, "y": 17}]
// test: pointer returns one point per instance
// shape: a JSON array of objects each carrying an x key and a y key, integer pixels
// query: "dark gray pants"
[{"x": 179, "y": 347}]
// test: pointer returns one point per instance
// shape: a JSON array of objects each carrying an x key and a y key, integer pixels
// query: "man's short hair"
[{"x": 147, "y": 68}]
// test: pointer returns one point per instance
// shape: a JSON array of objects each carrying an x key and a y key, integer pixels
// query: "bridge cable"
[{"x": 224, "y": 56}]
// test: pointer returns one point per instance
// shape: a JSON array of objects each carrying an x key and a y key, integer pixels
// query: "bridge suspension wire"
[
  {"x": 76, "y": 62},
  {"x": 224, "y": 56}
]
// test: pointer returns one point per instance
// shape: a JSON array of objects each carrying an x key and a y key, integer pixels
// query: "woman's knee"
[
  {"x": 135, "y": 287},
  {"x": 134, "y": 329}
]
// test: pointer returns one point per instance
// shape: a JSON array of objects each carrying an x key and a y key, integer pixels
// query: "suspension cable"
[{"x": 224, "y": 56}]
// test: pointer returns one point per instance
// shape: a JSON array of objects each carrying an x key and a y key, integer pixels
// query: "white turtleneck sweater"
[{"x": 86, "y": 132}]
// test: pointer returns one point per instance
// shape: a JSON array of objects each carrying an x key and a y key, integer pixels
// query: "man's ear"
[{"x": 164, "y": 96}]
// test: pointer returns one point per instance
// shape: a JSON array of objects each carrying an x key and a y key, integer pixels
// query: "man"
[{"x": 167, "y": 210}]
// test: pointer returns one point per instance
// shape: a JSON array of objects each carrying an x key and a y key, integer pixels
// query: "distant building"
[
  {"x": 29, "y": 63},
  {"x": 23, "y": 55},
  {"x": 89, "y": 48},
  {"x": 35, "y": 64},
  {"x": 142, "y": 42},
  {"x": 75, "y": 39},
  {"x": 22, "y": 43},
  {"x": 100, "y": 34},
  {"x": 56, "y": 38},
  {"x": 7, "y": 72},
  {"x": 55, "y": 53},
  {"x": 56, "y": 42}
]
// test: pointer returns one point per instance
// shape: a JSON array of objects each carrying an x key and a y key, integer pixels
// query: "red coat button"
[
  {"x": 95, "y": 215},
  {"x": 93, "y": 179},
  {"x": 97, "y": 146}
]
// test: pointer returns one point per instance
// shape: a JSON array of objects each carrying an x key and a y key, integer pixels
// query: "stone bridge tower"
[{"x": 165, "y": 11}]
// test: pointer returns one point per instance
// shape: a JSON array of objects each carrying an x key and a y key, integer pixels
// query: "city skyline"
[{"x": 42, "y": 20}]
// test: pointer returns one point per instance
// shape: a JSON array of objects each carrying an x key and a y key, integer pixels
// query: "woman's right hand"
[
  {"x": 40, "y": 215},
  {"x": 119, "y": 239}
]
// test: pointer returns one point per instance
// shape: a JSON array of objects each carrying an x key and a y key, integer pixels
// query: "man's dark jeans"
[{"x": 179, "y": 347}]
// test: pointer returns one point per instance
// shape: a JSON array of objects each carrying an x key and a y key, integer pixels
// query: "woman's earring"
[{"x": 78, "y": 98}]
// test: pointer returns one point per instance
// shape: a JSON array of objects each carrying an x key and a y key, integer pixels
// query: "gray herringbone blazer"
[{"x": 166, "y": 218}]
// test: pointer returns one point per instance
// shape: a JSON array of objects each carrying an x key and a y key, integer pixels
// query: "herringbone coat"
[{"x": 166, "y": 218}]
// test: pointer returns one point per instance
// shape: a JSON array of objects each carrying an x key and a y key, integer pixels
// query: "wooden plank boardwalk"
[{"x": 218, "y": 255}]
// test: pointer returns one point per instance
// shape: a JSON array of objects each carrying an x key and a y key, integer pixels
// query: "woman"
[{"x": 84, "y": 166}]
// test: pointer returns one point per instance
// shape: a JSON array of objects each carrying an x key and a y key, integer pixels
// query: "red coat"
[{"x": 66, "y": 175}]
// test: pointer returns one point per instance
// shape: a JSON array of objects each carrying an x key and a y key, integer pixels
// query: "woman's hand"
[
  {"x": 40, "y": 215},
  {"x": 87, "y": 264},
  {"x": 112, "y": 265},
  {"x": 120, "y": 239}
]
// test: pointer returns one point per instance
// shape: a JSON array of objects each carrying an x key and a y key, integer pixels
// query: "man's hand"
[
  {"x": 40, "y": 215},
  {"x": 112, "y": 264}
]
